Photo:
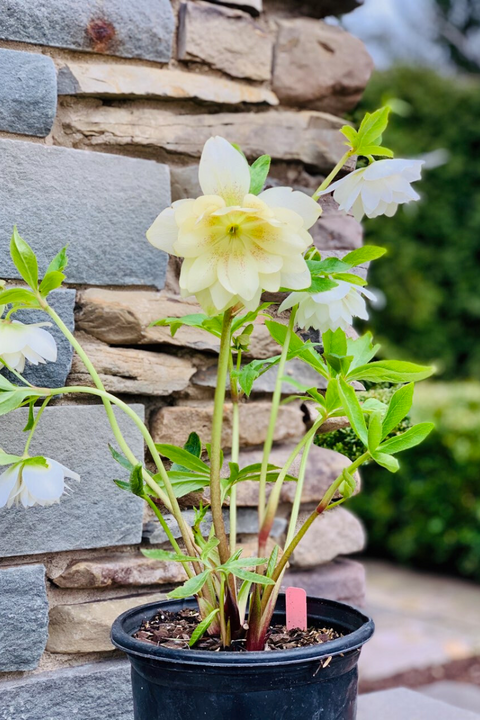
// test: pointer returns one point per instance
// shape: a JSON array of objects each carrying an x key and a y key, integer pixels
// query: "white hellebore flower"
[
  {"x": 377, "y": 189},
  {"x": 331, "y": 309},
  {"x": 19, "y": 342},
  {"x": 235, "y": 244},
  {"x": 30, "y": 484}
]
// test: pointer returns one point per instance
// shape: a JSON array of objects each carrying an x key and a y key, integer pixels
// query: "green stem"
[
  {"x": 321, "y": 507},
  {"x": 298, "y": 492},
  {"x": 16, "y": 373},
  {"x": 168, "y": 532},
  {"x": 172, "y": 500},
  {"x": 333, "y": 174},
  {"x": 277, "y": 396},
  {"x": 274, "y": 498},
  {"x": 216, "y": 444},
  {"x": 34, "y": 426},
  {"x": 235, "y": 449}
]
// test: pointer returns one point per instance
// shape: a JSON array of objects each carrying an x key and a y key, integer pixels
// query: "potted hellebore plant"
[{"x": 238, "y": 241}]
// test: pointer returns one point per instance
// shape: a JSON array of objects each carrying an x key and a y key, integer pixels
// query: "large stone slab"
[
  {"x": 23, "y": 617},
  {"x": 118, "y": 81},
  {"x": 85, "y": 692},
  {"x": 403, "y": 704},
  {"x": 337, "y": 532},
  {"x": 119, "y": 570},
  {"x": 123, "y": 317},
  {"x": 143, "y": 29},
  {"x": 132, "y": 371},
  {"x": 225, "y": 39},
  {"x": 95, "y": 512},
  {"x": 52, "y": 374},
  {"x": 101, "y": 204},
  {"x": 173, "y": 424},
  {"x": 307, "y": 136},
  {"x": 342, "y": 62},
  {"x": 323, "y": 468},
  {"x": 342, "y": 580},
  {"x": 28, "y": 93},
  {"x": 85, "y": 627}
]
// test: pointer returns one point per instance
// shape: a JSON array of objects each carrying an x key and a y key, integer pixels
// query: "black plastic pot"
[{"x": 314, "y": 683}]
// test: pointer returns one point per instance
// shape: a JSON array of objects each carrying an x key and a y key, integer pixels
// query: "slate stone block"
[
  {"x": 97, "y": 690},
  {"x": 52, "y": 374},
  {"x": 140, "y": 29},
  {"x": 403, "y": 704},
  {"x": 100, "y": 204},
  {"x": 23, "y": 617},
  {"x": 95, "y": 512},
  {"x": 28, "y": 93}
]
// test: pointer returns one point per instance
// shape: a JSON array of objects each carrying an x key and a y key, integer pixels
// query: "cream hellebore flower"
[
  {"x": 235, "y": 244},
  {"x": 377, "y": 189},
  {"x": 19, "y": 342},
  {"x": 331, "y": 309},
  {"x": 30, "y": 484}
]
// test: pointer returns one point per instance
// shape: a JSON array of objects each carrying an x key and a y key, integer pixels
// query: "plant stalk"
[{"x": 333, "y": 174}]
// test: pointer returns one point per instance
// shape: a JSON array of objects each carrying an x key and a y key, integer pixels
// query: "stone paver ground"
[
  {"x": 422, "y": 622},
  {"x": 403, "y": 704}
]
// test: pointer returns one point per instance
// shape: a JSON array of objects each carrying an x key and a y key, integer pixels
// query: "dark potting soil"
[{"x": 174, "y": 630}]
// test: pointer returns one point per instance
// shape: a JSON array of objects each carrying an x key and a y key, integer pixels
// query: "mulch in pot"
[{"x": 174, "y": 629}]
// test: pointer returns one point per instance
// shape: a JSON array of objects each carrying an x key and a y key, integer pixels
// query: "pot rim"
[{"x": 354, "y": 640}]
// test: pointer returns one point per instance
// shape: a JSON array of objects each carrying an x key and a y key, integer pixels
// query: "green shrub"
[
  {"x": 430, "y": 278},
  {"x": 428, "y": 514}
]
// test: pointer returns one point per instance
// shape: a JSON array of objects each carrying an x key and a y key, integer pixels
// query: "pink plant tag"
[{"x": 296, "y": 605}]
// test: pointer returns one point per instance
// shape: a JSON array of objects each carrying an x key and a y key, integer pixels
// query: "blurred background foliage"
[{"x": 428, "y": 514}]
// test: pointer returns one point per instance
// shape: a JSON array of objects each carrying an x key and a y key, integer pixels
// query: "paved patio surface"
[
  {"x": 421, "y": 621},
  {"x": 403, "y": 704}
]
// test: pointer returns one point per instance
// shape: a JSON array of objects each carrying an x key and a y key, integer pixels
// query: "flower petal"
[
  {"x": 164, "y": 231},
  {"x": 302, "y": 204},
  {"x": 44, "y": 483},
  {"x": 223, "y": 171},
  {"x": 8, "y": 480}
]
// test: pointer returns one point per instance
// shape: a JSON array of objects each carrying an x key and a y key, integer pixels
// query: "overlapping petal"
[
  {"x": 377, "y": 189},
  {"x": 20, "y": 342},
  {"x": 331, "y": 309},
  {"x": 236, "y": 244}
]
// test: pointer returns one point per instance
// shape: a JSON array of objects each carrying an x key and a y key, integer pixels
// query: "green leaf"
[
  {"x": 59, "y": 262},
  {"x": 352, "y": 409},
  {"x": 350, "y": 278},
  {"x": 298, "y": 347},
  {"x": 136, "y": 481},
  {"x": 329, "y": 265},
  {"x": 191, "y": 587},
  {"x": 386, "y": 461},
  {"x": 12, "y": 400},
  {"x": 372, "y": 128},
  {"x": 193, "y": 445},
  {"x": 209, "y": 547},
  {"x": 258, "y": 174},
  {"x": 410, "y": 438},
  {"x": 377, "y": 150},
  {"x": 398, "y": 408},
  {"x": 335, "y": 343},
  {"x": 6, "y": 459},
  {"x": 321, "y": 284},
  {"x": 31, "y": 417},
  {"x": 348, "y": 485},
  {"x": 244, "y": 562},
  {"x": 332, "y": 398},
  {"x": 21, "y": 296},
  {"x": 198, "y": 320},
  {"x": 367, "y": 253},
  {"x": 394, "y": 371},
  {"x": 168, "y": 556},
  {"x": 120, "y": 459},
  {"x": 272, "y": 561},
  {"x": 183, "y": 458},
  {"x": 24, "y": 259},
  {"x": 51, "y": 281},
  {"x": 36, "y": 461},
  {"x": 202, "y": 627},
  {"x": 362, "y": 349},
  {"x": 252, "y": 577},
  {"x": 350, "y": 133},
  {"x": 374, "y": 431}
]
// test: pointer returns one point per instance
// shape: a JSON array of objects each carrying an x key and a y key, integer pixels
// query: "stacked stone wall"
[{"x": 104, "y": 109}]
